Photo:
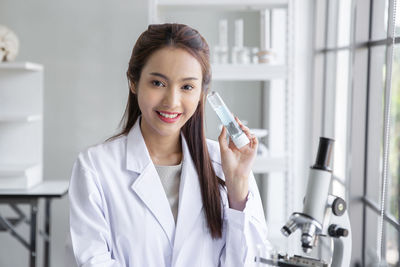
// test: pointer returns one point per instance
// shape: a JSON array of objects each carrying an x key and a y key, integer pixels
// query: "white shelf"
[
  {"x": 20, "y": 118},
  {"x": 267, "y": 164},
  {"x": 248, "y": 72},
  {"x": 20, "y": 66},
  {"x": 240, "y": 4},
  {"x": 21, "y": 145}
]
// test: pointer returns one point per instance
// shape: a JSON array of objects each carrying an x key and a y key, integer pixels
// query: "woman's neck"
[{"x": 163, "y": 150}]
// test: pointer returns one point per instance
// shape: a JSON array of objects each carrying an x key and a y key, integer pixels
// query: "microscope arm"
[{"x": 342, "y": 245}]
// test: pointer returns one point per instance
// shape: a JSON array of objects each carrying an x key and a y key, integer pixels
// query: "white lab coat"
[{"x": 120, "y": 215}]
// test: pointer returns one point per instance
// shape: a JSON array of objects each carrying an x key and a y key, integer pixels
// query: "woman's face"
[{"x": 168, "y": 91}]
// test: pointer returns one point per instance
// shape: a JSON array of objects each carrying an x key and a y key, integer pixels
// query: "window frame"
[{"x": 358, "y": 136}]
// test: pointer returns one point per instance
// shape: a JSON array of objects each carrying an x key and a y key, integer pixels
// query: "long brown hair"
[{"x": 158, "y": 36}]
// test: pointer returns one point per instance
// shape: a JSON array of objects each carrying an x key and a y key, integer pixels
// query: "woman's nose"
[{"x": 172, "y": 97}]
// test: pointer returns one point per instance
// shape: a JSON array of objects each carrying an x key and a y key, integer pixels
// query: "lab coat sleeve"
[
  {"x": 244, "y": 230},
  {"x": 89, "y": 228}
]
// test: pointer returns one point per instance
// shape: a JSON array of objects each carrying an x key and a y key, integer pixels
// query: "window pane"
[
  {"x": 344, "y": 21},
  {"x": 379, "y": 19},
  {"x": 392, "y": 245},
  {"x": 375, "y": 122},
  {"x": 329, "y": 108},
  {"x": 371, "y": 237},
  {"x": 397, "y": 31},
  {"x": 341, "y": 114},
  {"x": 318, "y": 91},
  {"x": 362, "y": 21},
  {"x": 320, "y": 19},
  {"x": 332, "y": 23},
  {"x": 394, "y": 157}
]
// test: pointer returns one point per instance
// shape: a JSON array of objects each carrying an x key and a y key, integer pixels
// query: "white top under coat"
[{"x": 170, "y": 177}]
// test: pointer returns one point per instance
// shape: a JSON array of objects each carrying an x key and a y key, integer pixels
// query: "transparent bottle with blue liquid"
[{"x": 238, "y": 137}]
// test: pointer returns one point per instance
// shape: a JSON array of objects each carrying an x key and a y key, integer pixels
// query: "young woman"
[{"x": 159, "y": 193}]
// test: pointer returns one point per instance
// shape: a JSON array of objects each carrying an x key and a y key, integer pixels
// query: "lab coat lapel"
[
  {"x": 190, "y": 200},
  {"x": 148, "y": 185}
]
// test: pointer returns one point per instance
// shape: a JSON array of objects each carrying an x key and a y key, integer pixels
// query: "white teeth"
[{"x": 171, "y": 116}]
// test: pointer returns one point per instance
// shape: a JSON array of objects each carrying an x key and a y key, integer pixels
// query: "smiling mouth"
[{"x": 169, "y": 115}]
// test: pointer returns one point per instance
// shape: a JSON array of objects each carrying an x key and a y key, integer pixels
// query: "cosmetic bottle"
[
  {"x": 238, "y": 137},
  {"x": 239, "y": 54},
  {"x": 221, "y": 50}
]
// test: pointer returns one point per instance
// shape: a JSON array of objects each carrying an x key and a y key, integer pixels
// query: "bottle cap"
[{"x": 241, "y": 140}]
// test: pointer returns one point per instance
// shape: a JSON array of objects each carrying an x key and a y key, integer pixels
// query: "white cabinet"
[{"x": 21, "y": 125}]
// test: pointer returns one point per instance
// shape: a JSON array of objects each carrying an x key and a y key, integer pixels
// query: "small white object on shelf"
[
  {"x": 20, "y": 66},
  {"x": 9, "y": 44},
  {"x": 248, "y": 72},
  {"x": 225, "y": 3},
  {"x": 267, "y": 164},
  {"x": 20, "y": 118},
  {"x": 259, "y": 133},
  {"x": 239, "y": 54},
  {"x": 17, "y": 176},
  {"x": 220, "y": 52}
]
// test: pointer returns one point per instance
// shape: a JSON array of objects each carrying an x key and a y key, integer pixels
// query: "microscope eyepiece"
[{"x": 324, "y": 154}]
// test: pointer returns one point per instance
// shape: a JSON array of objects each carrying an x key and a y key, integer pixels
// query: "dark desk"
[{"x": 46, "y": 190}]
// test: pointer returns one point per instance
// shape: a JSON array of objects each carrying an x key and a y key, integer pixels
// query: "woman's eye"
[
  {"x": 187, "y": 87},
  {"x": 157, "y": 83}
]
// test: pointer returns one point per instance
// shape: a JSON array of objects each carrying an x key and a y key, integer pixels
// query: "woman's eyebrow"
[{"x": 166, "y": 78}]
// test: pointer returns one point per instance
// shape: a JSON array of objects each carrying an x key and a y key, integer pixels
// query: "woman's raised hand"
[{"x": 236, "y": 165}]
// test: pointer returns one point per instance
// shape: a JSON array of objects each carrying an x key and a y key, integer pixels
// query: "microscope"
[{"x": 324, "y": 222}]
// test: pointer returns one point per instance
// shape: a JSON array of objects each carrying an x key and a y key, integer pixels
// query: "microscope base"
[{"x": 295, "y": 261}]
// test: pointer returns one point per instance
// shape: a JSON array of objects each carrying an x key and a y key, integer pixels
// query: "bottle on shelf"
[
  {"x": 221, "y": 50},
  {"x": 240, "y": 54},
  {"x": 266, "y": 53}
]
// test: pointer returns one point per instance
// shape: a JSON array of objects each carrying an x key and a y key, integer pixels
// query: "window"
[
  {"x": 357, "y": 93},
  {"x": 332, "y": 70},
  {"x": 393, "y": 205}
]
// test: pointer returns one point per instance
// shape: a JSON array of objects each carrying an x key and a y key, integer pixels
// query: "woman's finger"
[
  {"x": 254, "y": 141},
  {"x": 222, "y": 139},
  {"x": 232, "y": 145},
  {"x": 242, "y": 126},
  {"x": 245, "y": 129},
  {"x": 238, "y": 121}
]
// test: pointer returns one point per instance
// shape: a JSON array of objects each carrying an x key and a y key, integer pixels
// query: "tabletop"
[{"x": 44, "y": 189}]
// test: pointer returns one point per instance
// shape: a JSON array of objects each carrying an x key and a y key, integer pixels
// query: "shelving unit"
[
  {"x": 21, "y": 66},
  {"x": 248, "y": 72},
  {"x": 21, "y": 125},
  {"x": 236, "y": 72},
  {"x": 277, "y": 97},
  {"x": 266, "y": 164},
  {"x": 20, "y": 118},
  {"x": 232, "y": 4}
]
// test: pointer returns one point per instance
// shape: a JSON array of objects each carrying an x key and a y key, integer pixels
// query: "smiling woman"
[
  {"x": 168, "y": 94},
  {"x": 159, "y": 193}
]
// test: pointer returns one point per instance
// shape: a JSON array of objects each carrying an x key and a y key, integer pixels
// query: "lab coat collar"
[
  {"x": 149, "y": 188},
  {"x": 147, "y": 184},
  {"x": 190, "y": 199},
  {"x": 137, "y": 155}
]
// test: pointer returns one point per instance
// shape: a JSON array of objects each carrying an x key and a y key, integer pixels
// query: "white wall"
[{"x": 85, "y": 48}]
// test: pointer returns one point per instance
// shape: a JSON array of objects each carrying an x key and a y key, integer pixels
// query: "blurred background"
[{"x": 293, "y": 70}]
